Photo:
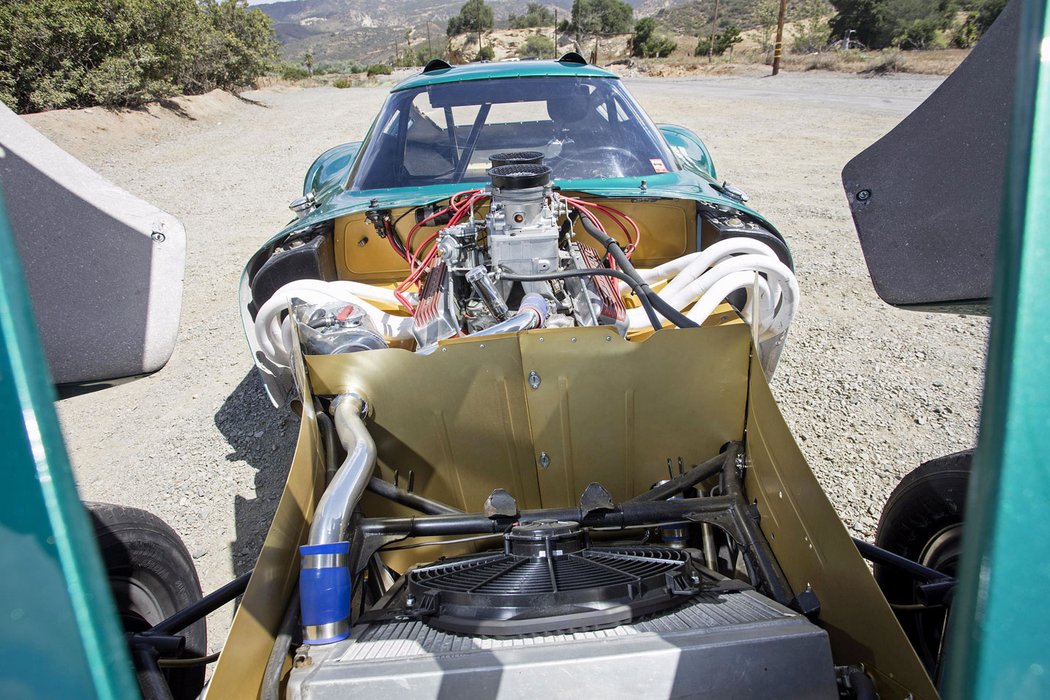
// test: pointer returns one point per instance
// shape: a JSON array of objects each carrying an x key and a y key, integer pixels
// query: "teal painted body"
[
  {"x": 510, "y": 69},
  {"x": 1000, "y": 622},
  {"x": 59, "y": 635}
]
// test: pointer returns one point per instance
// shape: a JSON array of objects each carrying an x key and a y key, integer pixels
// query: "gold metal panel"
[
  {"x": 668, "y": 228},
  {"x": 466, "y": 420},
  {"x": 814, "y": 549},
  {"x": 614, "y": 411},
  {"x": 360, "y": 253},
  {"x": 455, "y": 418}
]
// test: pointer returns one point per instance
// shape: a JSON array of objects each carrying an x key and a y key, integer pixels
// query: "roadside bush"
[
  {"x": 536, "y": 46},
  {"x": 811, "y": 29},
  {"x": 647, "y": 42},
  {"x": 485, "y": 54},
  {"x": 723, "y": 41},
  {"x": 292, "y": 71},
  {"x": 79, "y": 53},
  {"x": 343, "y": 83},
  {"x": 536, "y": 15},
  {"x": 378, "y": 69},
  {"x": 918, "y": 34}
]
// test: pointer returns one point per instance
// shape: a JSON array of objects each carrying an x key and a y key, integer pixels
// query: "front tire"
[
  {"x": 152, "y": 576},
  {"x": 922, "y": 521}
]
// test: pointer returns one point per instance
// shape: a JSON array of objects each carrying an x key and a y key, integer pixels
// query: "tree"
[
  {"x": 765, "y": 15},
  {"x": 601, "y": 17},
  {"x": 882, "y": 23},
  {"x": 811, "y": 30},
  {"x": 308, "y": 61},
  {"x": 723, "y": 41},
  {"x": 648, "y": 42},
  {"x": 536, "y": 15},
  {"x": 536, "y": 46},
  {"x": 474, "y": 17}
]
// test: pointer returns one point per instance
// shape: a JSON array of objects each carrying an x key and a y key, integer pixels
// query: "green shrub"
[
  {"x": 378, "y": 69},
  {"x": 724, "y": 40},
  {"x": 291, "y": 71},
  {"x": 647, "y": 42},
  {"x": 78, "y": 53},
  {"x": 536, "y": 46},
  {"x": 536, "y": 15},
  {"x": 343, "y": 83},
  {"x": 485, "y": 54}
]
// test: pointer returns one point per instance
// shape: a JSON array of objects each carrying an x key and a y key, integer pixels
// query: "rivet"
[
  {"x": 574, "y": 340},
  {"x": 534, "y": 380},
  {"x": 608, "y": 338},
  {"x": 545, "y": 460},
  {"x": 541, "y": 340},
  {"x": 482, "y": 346},
  {"x": 444, "y": 349}
]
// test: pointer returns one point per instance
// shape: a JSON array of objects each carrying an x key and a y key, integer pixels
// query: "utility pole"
[
  {"x": 714, "y": 29},
  {"x": 430, "y": 49},
  {"x": 480, "y": 4},
  {"x": 555, "y": 33},
  {"x": 778, "y": 46}
]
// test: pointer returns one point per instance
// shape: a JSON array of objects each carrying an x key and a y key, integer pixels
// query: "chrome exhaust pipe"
[{"x": 324, "y": 579}]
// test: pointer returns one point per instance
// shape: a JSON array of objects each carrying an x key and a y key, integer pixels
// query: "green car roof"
[{"x": 503, "y": 69}]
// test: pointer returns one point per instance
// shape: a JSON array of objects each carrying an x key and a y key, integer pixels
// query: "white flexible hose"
[
  {"x": 274, "y": 334},
  {"x": 699, "y": 262},
  {"x": 708, "y": 277}
]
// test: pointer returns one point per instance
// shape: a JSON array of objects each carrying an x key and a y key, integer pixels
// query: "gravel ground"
[{"x": 869, "y": 391}]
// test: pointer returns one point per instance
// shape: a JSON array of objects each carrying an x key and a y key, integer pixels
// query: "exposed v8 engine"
[{"x": 520, "y": 236}]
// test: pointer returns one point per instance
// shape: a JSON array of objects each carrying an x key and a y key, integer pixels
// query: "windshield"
[{"x": 445, "y": 133}]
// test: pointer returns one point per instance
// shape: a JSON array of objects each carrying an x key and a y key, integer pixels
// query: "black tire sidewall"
[
  {"x": 927, "y": 501},
  {"x": 137, "y": 545}
]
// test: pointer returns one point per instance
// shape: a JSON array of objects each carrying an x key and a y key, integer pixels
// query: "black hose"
[
  {"x": 271, "y": 685},
  {"x": 623, "y": 262},
  {"x": 591, "y": 272},
  {"x": 863, "y": 687}
]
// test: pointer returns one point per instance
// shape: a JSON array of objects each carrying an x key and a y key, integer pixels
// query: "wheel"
[
  {"x": 922, "y": 521},
  {"x": 151, "y": 575}
]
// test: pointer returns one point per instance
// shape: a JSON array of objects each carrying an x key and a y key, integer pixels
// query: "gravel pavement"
[{"x": 868, "y": 390}]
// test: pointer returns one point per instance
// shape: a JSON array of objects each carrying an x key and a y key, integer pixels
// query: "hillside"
[
  {"x": 693, "y": 17},
  {"x": 356, "y": 30}
]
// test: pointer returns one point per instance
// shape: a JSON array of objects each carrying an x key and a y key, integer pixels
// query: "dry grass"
[
  {"x": 753, "y": 62},
  {"x": 889, "y": 63}
]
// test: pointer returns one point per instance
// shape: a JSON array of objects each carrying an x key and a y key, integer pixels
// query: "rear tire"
[
  {"x": 152, "y": 576},
  {"x": 922, "y": 520}
]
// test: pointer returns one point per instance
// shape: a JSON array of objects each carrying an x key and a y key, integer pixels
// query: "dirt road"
[{"x": 869, "y": 391}]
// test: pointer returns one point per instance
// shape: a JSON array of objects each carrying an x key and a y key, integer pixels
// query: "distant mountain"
[{"x": 359, "y": 30}]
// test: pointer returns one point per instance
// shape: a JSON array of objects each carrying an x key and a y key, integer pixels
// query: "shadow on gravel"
[
  {"x": 257, "y": 103},
  {"x": 264, "y": 438}
]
